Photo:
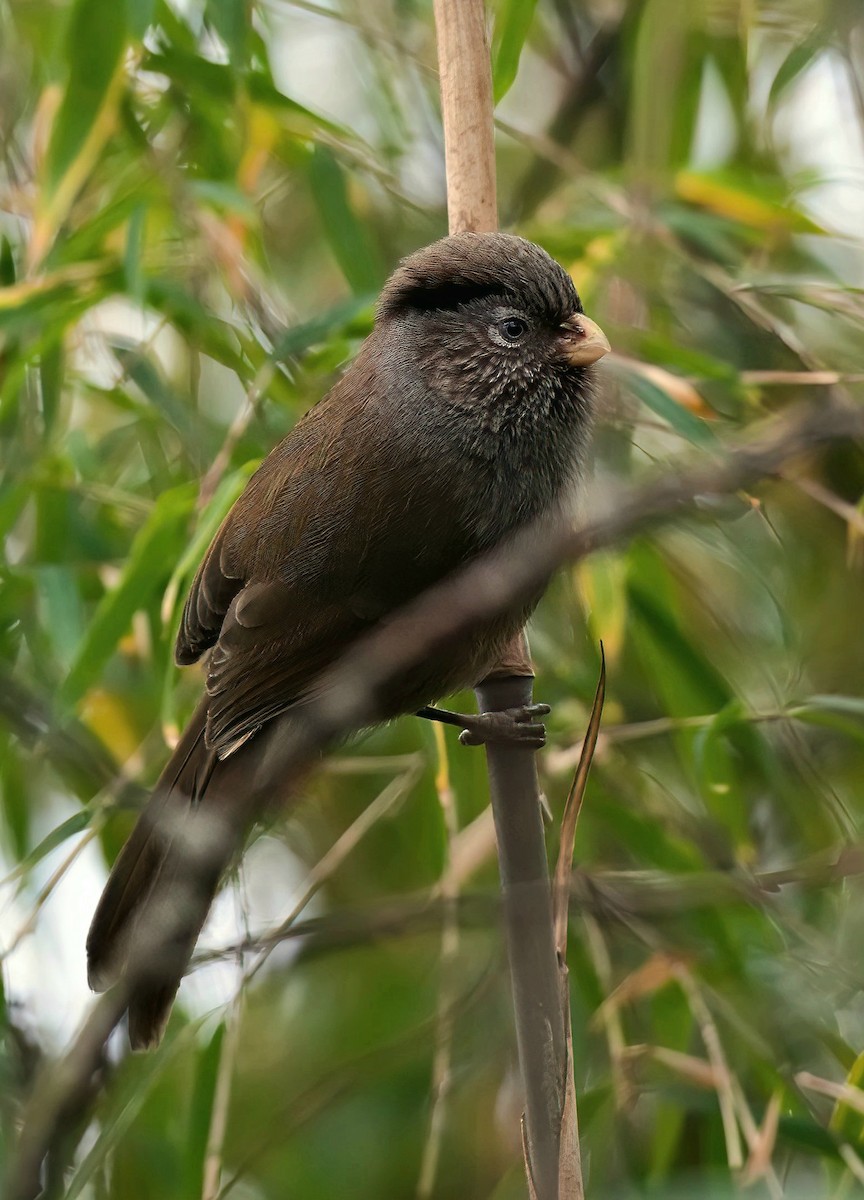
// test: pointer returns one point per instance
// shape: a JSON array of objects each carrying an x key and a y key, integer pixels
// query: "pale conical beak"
[{"x": 584, "y": 341}]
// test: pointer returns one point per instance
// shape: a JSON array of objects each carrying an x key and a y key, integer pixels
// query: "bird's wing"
[
  {"x": 343, "y": 522},
  {"x": 265, "y": 534},
  {"x": 261, "y": 529},
  {"x": 316, "y": 550},
  {"x": 274, "y": 642}
]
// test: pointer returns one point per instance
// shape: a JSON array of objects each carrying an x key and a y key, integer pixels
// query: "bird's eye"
[{"x": 513, "y": 328}]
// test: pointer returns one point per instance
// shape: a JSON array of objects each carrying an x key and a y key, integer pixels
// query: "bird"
[{"x": 465, "y": 415}]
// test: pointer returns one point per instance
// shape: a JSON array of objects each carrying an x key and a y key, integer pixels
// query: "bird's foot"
[{"x": 509, "y": 726}]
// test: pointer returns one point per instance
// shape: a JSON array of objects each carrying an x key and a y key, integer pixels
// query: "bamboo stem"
[
  {"x": 467, "y": 114},
  {"x": 527, "y": 902},
  {"x": 466, "y": 111}
]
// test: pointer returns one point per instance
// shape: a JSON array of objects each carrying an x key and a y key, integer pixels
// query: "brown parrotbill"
[{"x": 465, "y": 415}]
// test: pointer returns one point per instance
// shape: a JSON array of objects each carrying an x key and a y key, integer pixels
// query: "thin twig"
[
  {"x": 222, "y": 1099},
  {"x": 794, "y": 378},
  {"x": 717, "y": 1058},
  {"x": 297, "y": 1110},
  {"x": 760, "y": 1140},
  {"x": 607, "y": 896},
  {"x": 611, "y": 1017},
  {"x": 565, "y": 759},
  {"x": 841, "y": 508},
  {"x": 852, "y": 1161},
  {"x": 329, "y": 862},
  {"x": 28, "y": 926},
  {"x": 448, "y": 891},
  {"x": 245, "y": 413},
  {"x": 845, "y": 1093}
]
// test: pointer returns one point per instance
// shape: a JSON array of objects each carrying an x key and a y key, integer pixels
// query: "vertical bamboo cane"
[{"x": 466, "y": 104}]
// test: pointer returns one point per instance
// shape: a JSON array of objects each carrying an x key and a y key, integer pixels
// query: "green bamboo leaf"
[
  {"x": 69, "y": 828},
  {"x": 7, "y": 263},
  {"x": 717, "y": 238},
  {"x": 144, "y": 573},
  {"x": 719, "y": 778},
  {"x": 296, "y": 340},
  {"x": 691, "y": 427},
  {"x": 139, "y": 15},
  {"x": 797, "y": 60},
  {"x": 847, "y": 1123},
  {"x": 512, "y": 24},
  {"x": 128, "y": 1096},
  {"x": 655, "y": 347},
  {"x": 227, "y": 491},
  {"x": 94, "y": 49},
  {"x": 193, "y": 74},
  {"x": 730, "y": 56},
  {"x": 647, "y": 841},
  {"x": 755, "y": 202},
  {"x": 54, "y": 301},
  {"x": 15, "y": 805},
  {"x": 14, "y": 495},
  {"x": 672, "y": 1021},
  {"x": 60, "y": 604},
  {"x": 296, "y": 119},
  {"x": 229, "y": 19},
  {"x": 52, "y": 503},
  {"x": 686, "y": 681},
  {"x": 51, "y": 369},
  {"x": 213, "y": 337},
  {"x": 201, "y": 1112},
  {"x": 349, "y": 240},
  {"x": 833, "y": 712},
  {"x": 664, "y": 99},
  {"x": 806, "y": 1133},
  {"x": 132, "y": 268},
  {"x": 145, "y": 374},
  {"x": 852, "y": 705},
  {"x": 225, "y": 197}
]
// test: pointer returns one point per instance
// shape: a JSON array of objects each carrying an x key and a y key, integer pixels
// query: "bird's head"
[{"x": 494, "y": 324}]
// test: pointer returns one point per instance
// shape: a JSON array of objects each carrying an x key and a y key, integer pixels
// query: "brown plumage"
[{"x": 465, "y": 415}]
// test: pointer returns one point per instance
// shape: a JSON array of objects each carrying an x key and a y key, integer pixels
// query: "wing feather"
[
  {"x": 274, "y": 642},
  {"x": 316, "y": 550}
]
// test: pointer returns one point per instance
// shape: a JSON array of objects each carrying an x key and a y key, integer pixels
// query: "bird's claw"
[{"x": 510, "y": 726}]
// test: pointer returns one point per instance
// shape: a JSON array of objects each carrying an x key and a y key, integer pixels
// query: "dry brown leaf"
[
  {"x": 660, "y": 969},
  {"x": 564, "y": 865},
  {"x": 695, "y": 1070},
  {"x": 679, "y": 389}
]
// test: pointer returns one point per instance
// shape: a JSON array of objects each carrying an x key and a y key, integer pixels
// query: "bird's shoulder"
[{"x": 304, "y": 478}]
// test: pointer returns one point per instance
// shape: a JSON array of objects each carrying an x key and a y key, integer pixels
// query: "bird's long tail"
[{"x": 162, "y": 885}]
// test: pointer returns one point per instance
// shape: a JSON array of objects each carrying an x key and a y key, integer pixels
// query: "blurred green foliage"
[{"x": 198, "y": 202}]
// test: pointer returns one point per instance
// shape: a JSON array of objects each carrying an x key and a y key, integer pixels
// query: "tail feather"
[
  {"x": 162, "y": 885},
  {"x": 132, "y": 916}
]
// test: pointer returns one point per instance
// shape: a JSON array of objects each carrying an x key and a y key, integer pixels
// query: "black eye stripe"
[{"x": 427, "y": 295}]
